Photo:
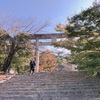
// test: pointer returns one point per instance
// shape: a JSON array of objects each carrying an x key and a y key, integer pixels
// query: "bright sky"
[{"x": 55, "y": 10}]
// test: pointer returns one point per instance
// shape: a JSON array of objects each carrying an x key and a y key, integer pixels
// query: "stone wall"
[{"x": 67, "y": 67}]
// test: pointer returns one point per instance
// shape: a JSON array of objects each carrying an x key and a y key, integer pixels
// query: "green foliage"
[
  {"x": 22, "y": 57},
  {"x": 21, "y": 45},
  {"x": 21, "y": 61},
  {"x": 89, "y": 61},
  {"x": 83, "y": 31},
  {"x": 3, "y": 47}
]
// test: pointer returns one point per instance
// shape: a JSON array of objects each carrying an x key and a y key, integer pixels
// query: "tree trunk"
[{"x": 8, "y": 59}]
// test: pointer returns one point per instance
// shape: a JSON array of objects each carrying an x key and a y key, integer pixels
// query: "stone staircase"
[{"x": 60, "y": 85}]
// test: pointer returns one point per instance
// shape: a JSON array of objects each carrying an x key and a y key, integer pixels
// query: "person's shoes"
[{"x": 32, "y": 73}]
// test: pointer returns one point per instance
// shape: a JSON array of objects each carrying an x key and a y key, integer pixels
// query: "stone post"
[
  {"x": 54, "y": 39},
  {"x": 37, "y": 55}
]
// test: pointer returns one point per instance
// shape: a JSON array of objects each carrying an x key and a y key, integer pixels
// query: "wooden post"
[{"x": 37, "y": 55}]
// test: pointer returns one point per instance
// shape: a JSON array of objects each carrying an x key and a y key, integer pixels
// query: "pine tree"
[{"x": 83, "y": 31}]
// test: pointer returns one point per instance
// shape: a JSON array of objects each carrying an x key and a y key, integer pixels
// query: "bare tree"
[{"x": 17, "y": 34}]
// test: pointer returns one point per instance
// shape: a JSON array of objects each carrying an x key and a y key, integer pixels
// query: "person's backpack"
[{"x": 32, "y": 63}]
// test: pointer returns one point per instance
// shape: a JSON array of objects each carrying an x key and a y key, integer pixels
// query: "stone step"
[
  {"x": 17, "y": 97},
  {"x": 51, "y": 86},
  {"x": 50, "y": 96}
]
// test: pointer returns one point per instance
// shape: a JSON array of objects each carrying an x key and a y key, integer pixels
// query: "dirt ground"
[{"x": 2, "y": 77}]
